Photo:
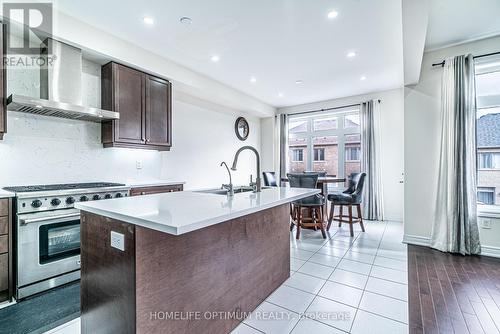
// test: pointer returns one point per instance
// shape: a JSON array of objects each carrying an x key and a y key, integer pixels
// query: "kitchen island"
[{"x": 185, "y": 262}]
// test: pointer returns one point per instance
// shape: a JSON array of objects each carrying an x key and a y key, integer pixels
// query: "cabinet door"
[
  {"x": 4, "y": 272},
  {"x": 129, "y": 102},
  {"x": 158, "y": 111}
]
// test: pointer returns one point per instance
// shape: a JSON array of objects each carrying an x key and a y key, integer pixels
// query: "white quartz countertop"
[
  {"x": 182, "y": 212},
  {"x": 6, "y": 194}
]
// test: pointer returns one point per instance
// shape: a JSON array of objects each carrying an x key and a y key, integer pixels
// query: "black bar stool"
[
  {"x": 349, "y": 197},
  {"x": 313, "y": 203}
]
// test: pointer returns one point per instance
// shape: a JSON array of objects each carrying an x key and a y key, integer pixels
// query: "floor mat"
[{"x": 42, "y": 312}]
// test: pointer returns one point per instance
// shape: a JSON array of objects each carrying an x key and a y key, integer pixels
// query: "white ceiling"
[
  {"x": 276, "y": 41},
  {"x": 455, "y": 21}
]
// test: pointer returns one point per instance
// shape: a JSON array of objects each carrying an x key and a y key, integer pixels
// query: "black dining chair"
[
  {"x": 270, "y": 179},
  {"x": 349, "y": 197},
  {"x": 313, "y": 203}
]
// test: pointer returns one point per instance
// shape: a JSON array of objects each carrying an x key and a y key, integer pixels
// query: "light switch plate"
[
  {"x": 138, "y": 164},
  {"x": 117, "y": 240}
]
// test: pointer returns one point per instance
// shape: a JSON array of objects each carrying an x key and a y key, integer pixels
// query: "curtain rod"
[
  {"x": 479, "y": 56},
  {"x": 328, "y": 109}
]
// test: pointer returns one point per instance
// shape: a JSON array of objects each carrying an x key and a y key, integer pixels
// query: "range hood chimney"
[{"x": 60, "y": 87}]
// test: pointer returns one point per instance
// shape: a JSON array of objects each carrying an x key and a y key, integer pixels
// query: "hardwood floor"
[{"x": 452, "y": 293}]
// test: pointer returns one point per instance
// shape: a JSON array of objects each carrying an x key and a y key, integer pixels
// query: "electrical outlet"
[
  {"x": 117, "y": 240},
  {"x": 138, "y": 164},
  {"x": 486, "y": 223}
]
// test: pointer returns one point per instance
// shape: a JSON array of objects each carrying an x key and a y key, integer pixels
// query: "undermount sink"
[{"x": 220, "y": 191}]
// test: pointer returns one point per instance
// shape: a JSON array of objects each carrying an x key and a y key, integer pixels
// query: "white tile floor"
[{"x": 338, "y": 285}]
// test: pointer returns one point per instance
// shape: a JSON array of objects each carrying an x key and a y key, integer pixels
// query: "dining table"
[{"x": 323, "y": 186}]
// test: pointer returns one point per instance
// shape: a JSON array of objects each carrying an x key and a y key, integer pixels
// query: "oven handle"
[{"x": 24, "y": 222}]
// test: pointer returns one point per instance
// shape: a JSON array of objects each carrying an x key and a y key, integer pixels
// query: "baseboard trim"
[
  {"x": 416, "y": 240},
  {"x": 490, "y": 251}
]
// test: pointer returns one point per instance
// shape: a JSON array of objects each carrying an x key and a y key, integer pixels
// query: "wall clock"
[{"x": 241, "y": 128}]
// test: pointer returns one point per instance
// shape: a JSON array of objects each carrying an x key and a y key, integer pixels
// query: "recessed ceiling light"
[
  {"x": 333, "y": 14},
  {"x": 363, "y": 78},
  {"x": 298, "y": 82},
  {"x": 185, "y": 20},
  {"x": 280, "y": 94},
  {"x": 148, "y": 20},
  {"x": 351, "y": 54},
  {"x": 253, "y": 79},
  {"x": 215, "y": 58}
]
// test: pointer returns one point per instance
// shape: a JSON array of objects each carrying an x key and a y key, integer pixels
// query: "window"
[
  {"x": 488, "y": 160},
  {"x": 488, "y": 129},
  {"x": 329, "y": 141},
  {"x": 486, "y": 196},
  {"x": 297, "y": 126},
  {"x": 351, "y": 121},
  {"x": 298, "y": 155},
  {"x": 319, "y": 154},
  {"x": 329, "y": 123},
  {"x": 352, "y": 153}
]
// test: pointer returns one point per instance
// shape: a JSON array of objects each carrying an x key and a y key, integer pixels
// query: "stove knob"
[
  {"x": 84, "y": 198},
  {"x": 108, "y": 196},
  {"x": 36, "y": 203},
  {"x": 70, "y": 200},
  {"x": 118, "y": 195},
  {"x": 96, "y": 197},
  {"x": 55, "y": 202}
]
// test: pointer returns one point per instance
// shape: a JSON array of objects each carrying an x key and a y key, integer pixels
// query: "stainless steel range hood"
[
  {"x": 60, "y": 88},
  {"x": 58, "y": 109}
]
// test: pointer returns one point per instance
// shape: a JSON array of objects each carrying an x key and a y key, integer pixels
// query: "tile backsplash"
[{"x": 40, "y": 149}]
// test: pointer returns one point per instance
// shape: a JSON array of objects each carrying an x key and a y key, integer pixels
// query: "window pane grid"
[
  {"x": 330, "y": 143},
  {"x": 488, "y": 131}
]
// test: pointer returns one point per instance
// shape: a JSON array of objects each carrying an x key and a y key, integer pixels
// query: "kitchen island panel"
[
  {"x": 198, "y": 282},
  {"x": 107, "y": 277},
  {"x": 228, "y": 267}
]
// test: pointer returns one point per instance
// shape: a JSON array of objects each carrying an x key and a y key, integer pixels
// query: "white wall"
[
  {"x": 422, "y": 140},
  {"x": 268, "y": 147},
  {"x": 392, "y": 162},
  {"x": 203, "y": 137}
]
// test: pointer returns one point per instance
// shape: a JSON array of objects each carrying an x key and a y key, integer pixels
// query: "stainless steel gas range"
[{"x": 47, "y": 232}]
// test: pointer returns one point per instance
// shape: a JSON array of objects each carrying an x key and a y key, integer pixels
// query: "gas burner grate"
[{"x": 49, "y": 187}]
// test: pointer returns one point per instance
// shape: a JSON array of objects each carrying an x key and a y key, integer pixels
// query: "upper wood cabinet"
[
  {"x": 158, "y": 111},
  {"x": 145, "y": 106}
]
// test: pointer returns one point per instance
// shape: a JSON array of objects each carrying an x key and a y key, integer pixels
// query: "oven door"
[{"x": 48, "y": 245}]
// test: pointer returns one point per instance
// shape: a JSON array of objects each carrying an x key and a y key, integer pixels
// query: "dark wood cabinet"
[
  {"x": 6, "y": 278},
  {"x": 145, "y": 106},
  {"x": 3, "y": 97},
  {"x": 137, "y": 191},
  {"x": 158, "y": 113}
]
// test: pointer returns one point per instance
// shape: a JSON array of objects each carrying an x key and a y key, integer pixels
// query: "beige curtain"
[
  {"x": 283, "y": 147},
  {"x": 455, "y": 227},
  {"x": 373, "y": 202}
]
